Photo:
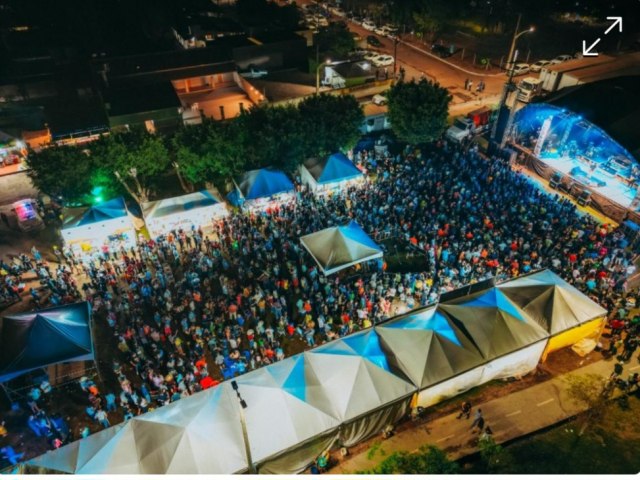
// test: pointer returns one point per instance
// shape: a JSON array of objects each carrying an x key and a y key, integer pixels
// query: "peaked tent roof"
[
  {"x": 114, "y": 208},
  {"x": 183, "y": 203},
  {"x": 494, "y": 324},
  {"x": 355, "y": 375},
  {"x": 36, "y": 339},
  {"x": 336, "y": 248},
  {"x": 279, "y": 413},
  {"x": 200, "y": 434},
  {"x": 263, "y": 183},
  {"x": 334, "y": 168},
  {"x": 553, "y": 303},
  {"x": 427, "y": 347}
]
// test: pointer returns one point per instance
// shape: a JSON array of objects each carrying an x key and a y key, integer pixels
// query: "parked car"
[
  {"x": 440, "y": 50},
  {"x": 371, "y": 56},
  {"x": 379, "y": 99},
  {"x": 254, "y": 73},
  {"x": 560, "y": 59},
  {"x": 383, "y": 61},
  {"x": 373, "y": 41},
  {"x": 518, "y": 69},
  {"x": 368, "y": 25},
  {"x": 389, "y": 31},
  {"x": 539, "y": 65},
  {"x": 379, "y": 31},
  {"x": 338, "y": 11}
]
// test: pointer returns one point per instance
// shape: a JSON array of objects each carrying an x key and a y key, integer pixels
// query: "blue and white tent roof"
[
  {"x": 337, "y": 248},
  {"x": 109, "y": 210},
  {"x": 261, "y": 183},
  {"x": 183, "y": 203},
  {"x": 332, "y": 169}
]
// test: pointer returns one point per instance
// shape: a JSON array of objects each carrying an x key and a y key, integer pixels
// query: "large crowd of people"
[{"x": 193, "y": 307}]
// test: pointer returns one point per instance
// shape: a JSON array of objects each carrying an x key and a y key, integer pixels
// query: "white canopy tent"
[
  {"x": 198, "y": 209},
  {"x": 337, "y": 248}
]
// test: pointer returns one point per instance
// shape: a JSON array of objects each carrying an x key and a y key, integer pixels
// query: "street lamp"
[
  {"x": 243, "y": 422},
  {"x": 510, "y": 65},
  {"x": 323, "y": 64}
]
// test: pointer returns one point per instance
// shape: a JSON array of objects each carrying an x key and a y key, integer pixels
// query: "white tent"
[
  {"x": 337, "y": 248},
  {"x": 200, "y": 434},
  {"x": 329, "y": 173},
  {"x": 281, "y": 418},
  {"x": 108, "y": 223},
  {"x": 197, "y": 209},
  {"x": 363, "y": 392}
]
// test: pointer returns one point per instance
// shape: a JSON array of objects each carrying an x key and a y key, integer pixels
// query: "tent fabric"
[
  {"x": 337, "y": 248},
  {"x": 334, "y": 168},
  {"x": 428, "y": 347},
  {"x": 263, "y": 183},
  {"x": 280, "y": 415},
  {"x": 590, "y": 329},
  {"x": 33, "y": 340},
  {"x": 553, "y": 303},
  {"x": 494, "y": 324},
  {"x": 175, "y": 439},
  {"x": 102, "y": 212},
  {"x": 183, "y": 203},
  {"x": 355, "y": 375}
]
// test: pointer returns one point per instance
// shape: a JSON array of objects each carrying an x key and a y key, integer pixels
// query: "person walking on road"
[
  {"x": 465, "y": 410},
  {"x": 478, "y": 421}
]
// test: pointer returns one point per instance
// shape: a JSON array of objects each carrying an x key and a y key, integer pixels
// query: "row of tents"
[
  {"x": 344, "y": 391},
  {"x": 111, "y": 223}
]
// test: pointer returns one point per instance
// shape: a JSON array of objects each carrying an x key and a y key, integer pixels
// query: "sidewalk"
[{"x": 510, "y": 417}]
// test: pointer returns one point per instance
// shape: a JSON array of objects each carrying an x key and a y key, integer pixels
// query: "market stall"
[{"x": 262, "y": 189}]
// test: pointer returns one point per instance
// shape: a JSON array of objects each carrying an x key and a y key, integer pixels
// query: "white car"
[
  {"x": 539, "y": 65},
  {"x": 387, "y": 31},
  {"x": 560, "y": 59},
  {"x": 338, "y": 11},
  {"x": 379, "y": 99},
  {"x": 254, "y": 73},
  {"x": 379, "y": 31},
  {"x": 369, "y": 25},
  {"x": 383, "y": 61},
  {"x": 518, "y": 69},
  {"x": 371, "y": 56}
]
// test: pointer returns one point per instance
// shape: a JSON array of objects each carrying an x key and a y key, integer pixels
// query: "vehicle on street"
[
  {"x": 464, "y": 128},
  {"x": 379, "y": 99},
  {"x": 388, "y": 31},
  {"x": 338, "y": 11},
  {"x": 560, "y": 59},
  {"x": 529, "y": 88},
  {"x": 368, "y": 25},
  {"x": 254, "y": 73},
  {"x": 371, "y": 56},
  {"x": 379, "y": 31},
  {"x": 440, "y": 50},
  {"x": 518, "y": 69},
  {"x": 383, "y": 60},
  {"x": 373, "y": 41},
  {"x": 539, "y": 65}
]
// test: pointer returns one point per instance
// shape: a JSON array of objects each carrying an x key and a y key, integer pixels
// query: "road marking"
[
  {"x": 635, "y": 368},
  {"x": 445, "y": 438},
  {"x": 545, "y": 402},
  {"x": 513, "y": 413}
]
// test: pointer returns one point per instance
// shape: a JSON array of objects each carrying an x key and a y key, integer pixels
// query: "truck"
[
  {"x": 467, "y": 127},
  {"x": 529, "y": 88},
  {"x": 552, "y": 75}
]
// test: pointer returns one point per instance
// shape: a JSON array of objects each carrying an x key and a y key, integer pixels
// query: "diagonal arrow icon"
[
  {"x": 616, "y": 21},
  {"x": 586, "y": 52}
]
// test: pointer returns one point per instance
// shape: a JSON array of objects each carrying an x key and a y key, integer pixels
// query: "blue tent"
[
  {"x": 263, "y": 183},
  {"x": 332, "y": 169},
  {"x": 33, "y": 340},
  {"x": 109, "y": 210}
]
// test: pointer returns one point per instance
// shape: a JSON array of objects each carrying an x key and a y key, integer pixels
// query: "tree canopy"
[
  {"x": 335, "y": 40},
  {"x": 427, "y": 460},
  {"x": 330, "y": 122},
  {"x": 418, "y": 110}
]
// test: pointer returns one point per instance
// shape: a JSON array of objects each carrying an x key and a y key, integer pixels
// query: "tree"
[
  {"x": 274, "y": 137},
  {"x": 61, "y": 172},
  {"x": 495, "y": 458},
  {"x": 589, "y": 392},
  {"x": 418, "y": 111},
  {"x": 330, "y": 122},
  {"x": 136, "y": 158},
  {"x": 209, "y": 151},
  {"x": 335, "y": 40},
  {"x": 428, "y": 460}
]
